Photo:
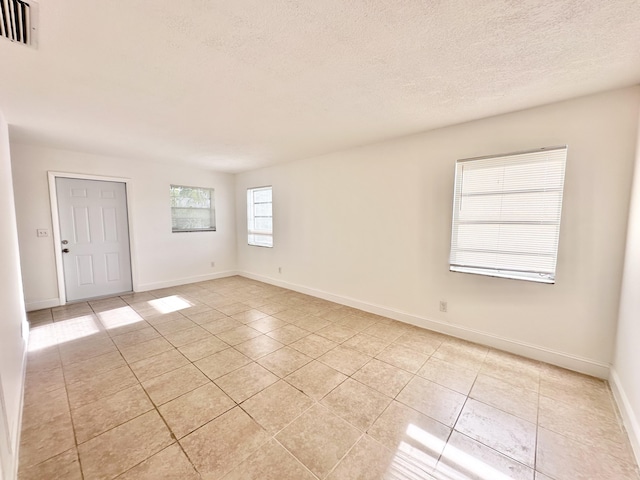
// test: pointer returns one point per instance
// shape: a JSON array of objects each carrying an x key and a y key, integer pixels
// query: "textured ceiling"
[{"x": 236, "y": 85}]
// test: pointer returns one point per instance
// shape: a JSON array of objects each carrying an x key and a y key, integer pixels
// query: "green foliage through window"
[{"x": 192, "y": 209}]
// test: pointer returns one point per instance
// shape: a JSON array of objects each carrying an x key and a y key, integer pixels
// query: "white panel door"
[{"x": 95, "y": 237}]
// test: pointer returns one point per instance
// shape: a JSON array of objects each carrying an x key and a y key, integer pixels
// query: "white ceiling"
[{"x": 239, "y": 84}]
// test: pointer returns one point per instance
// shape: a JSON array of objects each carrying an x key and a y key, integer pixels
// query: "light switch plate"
[{"x": 42, "y": 232}]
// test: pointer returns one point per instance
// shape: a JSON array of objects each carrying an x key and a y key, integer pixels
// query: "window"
[
  {"x": 260, "y": 216},
  {"x": 506, "y": 215},
  {"x": 192, "y": 209}
]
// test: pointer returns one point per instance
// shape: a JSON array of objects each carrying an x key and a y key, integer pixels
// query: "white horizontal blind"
[
  {"x": 260, "y": 216},
  {"x": 506, "y": 215},
  {"x": 192, "y": 209}
]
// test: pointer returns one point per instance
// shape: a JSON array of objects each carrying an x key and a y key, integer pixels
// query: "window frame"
[
  {"x": 525, "y": 273},
  {"x": 251, "y": 230},
  {"x": 211, "y": 208}
]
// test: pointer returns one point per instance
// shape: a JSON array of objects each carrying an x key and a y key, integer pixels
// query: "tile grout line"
[
  {"x": 154, "y": 407},
  {"x": 73, "y": 426},
  {"x": 295, "y": 458},
  {"x": 177, "y": 440},
  {"x": 157, "y": 410}
]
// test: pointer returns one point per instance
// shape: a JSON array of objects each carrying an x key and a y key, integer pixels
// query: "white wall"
[
  {"x": 161, "y": 258},
  {"x": 12, "y": 319},
  {"x": 371, "y": 227},
  {"x": 625, "y": 376}
]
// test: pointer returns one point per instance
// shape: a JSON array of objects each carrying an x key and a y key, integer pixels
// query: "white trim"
[
  {"x": 55, "y": 227},
  {"x": 53, "y": 198},
  {"x": 145, "y": 287},
  {"x": 14, "y": 462},
  {"x": 629, "y": 419},
  {"x": 21, "y": 407},
  {"x": 41, "y": 304},
  {"x": 8, "y": 454},
  {"x": 562, "y": 359}
]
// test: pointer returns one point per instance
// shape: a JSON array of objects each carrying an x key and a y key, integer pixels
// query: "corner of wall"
[
  {"x": 145, "y": 287},
  {"x": 14, "y": 327},
  {"x": 624, "y": 379},
  {"x": 629, "y": 419}
]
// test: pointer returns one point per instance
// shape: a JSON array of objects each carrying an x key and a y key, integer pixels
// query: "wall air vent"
[{"x": 18, "y": 21}]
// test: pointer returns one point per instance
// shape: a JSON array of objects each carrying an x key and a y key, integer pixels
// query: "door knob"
[{"x": 65, "y": 250}]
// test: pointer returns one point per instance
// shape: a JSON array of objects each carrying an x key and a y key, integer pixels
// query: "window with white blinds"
[
  {"x": 506, "y": 215},
  {"x": 192, "y": 209},
  {"x": 260, "y": 216}
]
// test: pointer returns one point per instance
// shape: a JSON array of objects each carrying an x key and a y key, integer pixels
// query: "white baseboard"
[
  {"x": 40, "y": 304},
  {"x": 629, "y": 419},
  {"x": 21, "y": 407},
  {"x": 536, "y": 352},
  {"x": 144, "y": 287}
]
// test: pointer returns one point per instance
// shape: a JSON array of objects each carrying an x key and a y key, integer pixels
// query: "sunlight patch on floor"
[
  {"x": 170, "y": 304},
  {"x": 62, "y": 332},
  {"x": 411, "y": 463},
  {"x": 119, "y": 317}
]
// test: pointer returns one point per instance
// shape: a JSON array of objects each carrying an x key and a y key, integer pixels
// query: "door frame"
[{"x": 55, "y": 221}]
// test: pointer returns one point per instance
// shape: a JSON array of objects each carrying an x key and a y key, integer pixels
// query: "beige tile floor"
[{"x": 237, "y": 379}]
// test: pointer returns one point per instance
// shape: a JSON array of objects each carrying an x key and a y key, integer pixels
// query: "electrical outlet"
[
  {"x": 279, "y": 269},
  {"x": 42, "y": 232},
  {"x": 213, "y": 264},
  {"x": 443, "y": 306}
]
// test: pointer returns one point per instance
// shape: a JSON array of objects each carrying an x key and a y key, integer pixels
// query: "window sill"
[
  {"x": 532, "y": 277},
  {"x": 194, "y": 230}
]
